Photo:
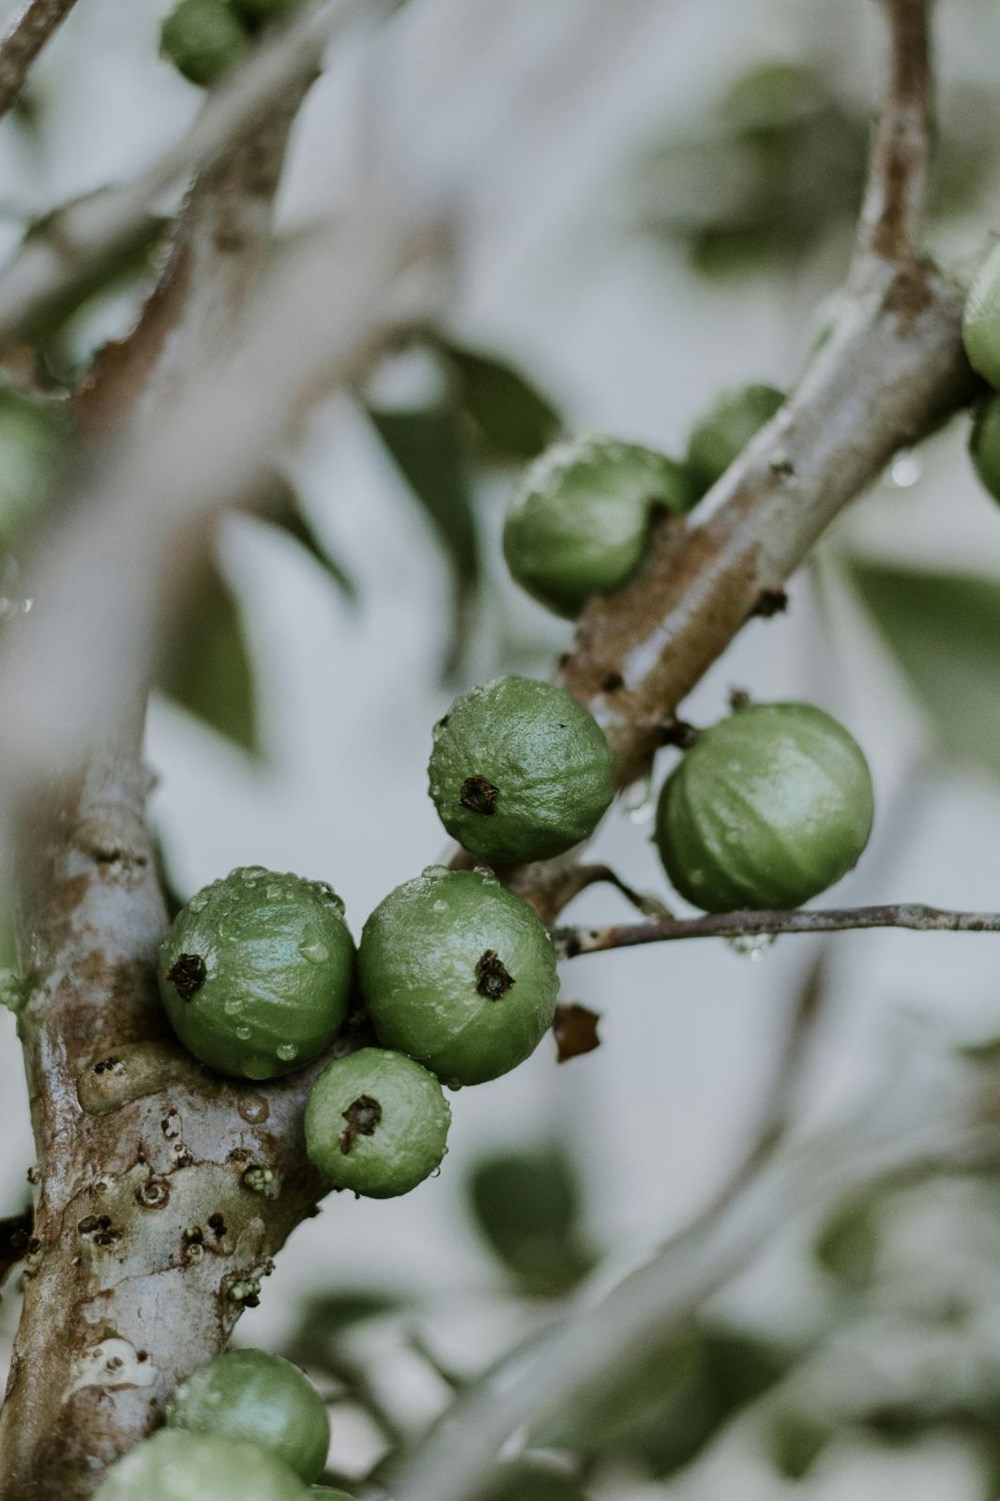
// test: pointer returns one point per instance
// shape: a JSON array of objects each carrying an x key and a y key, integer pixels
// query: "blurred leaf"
[
  {"x": 510, "y": 416},
  {"x": 209, "y": 669},
  {"x": 944, "y": 629},
  {"x": 526, "y": 1480},
  {"x": 663, "y": 1412},
  {"x": 526, "y": 1206},
  {"x": 427, "y": 448},
  {"x": 282, "y": 507},
  {"x": 795, "y": 1440},
  {"x": 777, "y": 165},
  {"x": 848, "y": 1245},
  {"x": 325, "y": 1317}
]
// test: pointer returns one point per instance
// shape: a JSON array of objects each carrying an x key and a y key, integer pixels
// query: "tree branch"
[
  {"x": 569, "y": 942},
  {"x": 22, "y": 43},
  {"x": 897, "y": 184},
  {"x": 83, "y": 235}
]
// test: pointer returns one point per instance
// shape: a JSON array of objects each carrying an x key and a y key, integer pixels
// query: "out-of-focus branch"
[
  {"x": 940, "y": 1120},
  {"x": 897, "y": 184},
  {"x": 569, "y": 942},
  {"x": 49, "y": 265},
  {"x": 22, "y": 43}
]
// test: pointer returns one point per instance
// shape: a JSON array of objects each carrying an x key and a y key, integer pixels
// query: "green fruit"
[
  {"x": 459, "y": 973},
  {"x": 175, "y": 1466},
  {"x": 260, "y": 1398},
  {"x": 981, "y": 322},
  {"x": 203, "y": 39},
  {"x": 769, "y": 808},
  {"x": 726, "y": 429},
  {"x": 579, "y": 524},
  {"x": 520, "y": 770},
  {"x": 377, "y": 1123},
  {"x": 984, "y": 444},
  {"x": 255, "y": 972}
]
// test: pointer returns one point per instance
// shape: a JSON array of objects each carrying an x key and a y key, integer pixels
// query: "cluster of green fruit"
[
  {"x": 580, "y": 523},
  {"x": 204, "y": 38},
  {"x": 981, "y": 331},
  {"x": 246, "y": 1426}
]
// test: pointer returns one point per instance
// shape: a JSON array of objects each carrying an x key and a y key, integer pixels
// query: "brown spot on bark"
[
  {"x": 254, "y": 1109},
  {"x": 679, "y": 733},
  {"x": 575, "y": 1031},
  {"x": 217, "y": 1225},
  {"x": 770, "y": 602},
  {"x": 187, "y": 974},
  {"x": 479, "y": 796},
  {"x": 153, "y": 1194},
  {"x": 611, "y": 682},
  {"x": 493, "y": 979},
  {"x": 362, "y": 1116}
]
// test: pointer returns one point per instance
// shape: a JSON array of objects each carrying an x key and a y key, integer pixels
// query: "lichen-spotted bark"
[{"x": 151, "y": 1231}]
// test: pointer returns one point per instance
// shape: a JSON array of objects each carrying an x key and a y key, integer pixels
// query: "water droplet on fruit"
[
  {"x": 753, "y": 945},
  {"x": 274, "y": 893},
  {"x": 232, "y": 1006},
  {"x": 313, "y": 948},
  {"x": 199, "y": 902},
  {"x": 286, "y": 1051},
  {"x": 435, "y": 872},
  {"x": 244, "y": 1033},
  {"x": 440, "y": 906}
]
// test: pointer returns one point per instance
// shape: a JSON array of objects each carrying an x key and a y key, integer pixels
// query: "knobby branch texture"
[
  {"x": 152, "y": 1231},
  {"x": 23, "y": 41}
]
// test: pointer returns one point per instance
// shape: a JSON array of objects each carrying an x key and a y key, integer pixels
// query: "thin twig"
[
  {"x": 22, "y": 43},
  {"x": 570, "y": 942},
  {"x": 897, "y": 184}
]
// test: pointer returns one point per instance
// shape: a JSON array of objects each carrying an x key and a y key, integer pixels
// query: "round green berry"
[
  {"x": 579, "y": 524},
  {"x": 725, "y": 430},
  {"x": 176, "y": 1466},
  {"x": 766, "y": 810},
  {"x": 520, "y": 770},
  {"x": 259, "y": 1398},
  {"x": 377, "y": 1123},
  {"x": 203, "y": 39},
  {"x": 255, "y": 972},
  {"x": 981, "y": 321},
  {"x": 459, "y": 973},
  {"x": 984, "y": 444}
]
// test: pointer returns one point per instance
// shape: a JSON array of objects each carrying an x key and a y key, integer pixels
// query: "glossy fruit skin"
[
  {"x": 277, "y": 961},
  {"x": 404, "y": 1119},
  {"x": 721, "y": 435},
  {"x": 520, "y": 771},
  {"x": 984, "y": 444},
  {"x": 769, "y": 807},
  {"x": 177, "y": 1466},
  {"x": 203, "y": 39},
  {"x": 579, "y": 523},
  {"x": 258, "y": 1398},
  {"x": 981, "y": 320},
  {"x": 458, "y": 973}
]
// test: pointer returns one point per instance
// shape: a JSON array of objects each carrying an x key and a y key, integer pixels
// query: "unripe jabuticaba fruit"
[
  {"x": 459, "y": 973},
  {"x": 377, "y": 1123},
  {"x": 257, "y": 1398},
  {"x": 767, "y": 809},
  {"x": 520, "y": 770},
  {"x": 984, "y": 444},
  {"x": 255, "y": 972},
  {"x": 203, "y": 39},
  {"x": 579, "y": 524},
  {"x": 177, "y": 1466},
  {"x": 726, "y": 429},
  {"x": 981, "y": 322}
]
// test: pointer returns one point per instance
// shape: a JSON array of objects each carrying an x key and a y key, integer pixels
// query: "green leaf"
[
  {"x": 427, "y": 447},
  {"x": 508, "y": 414},
  {"x": 209, "y": 670},
  {"x": 325, "y": 1317},
  {"x": 796, "y": 1440},
  {"x": 526, "y": 1480},
  {"x": 848, "y": 1245},
  {"x": 526, "y": 1206},
  {"x": 282, "y": 507},
  {"x": 944, "y": 629}
]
